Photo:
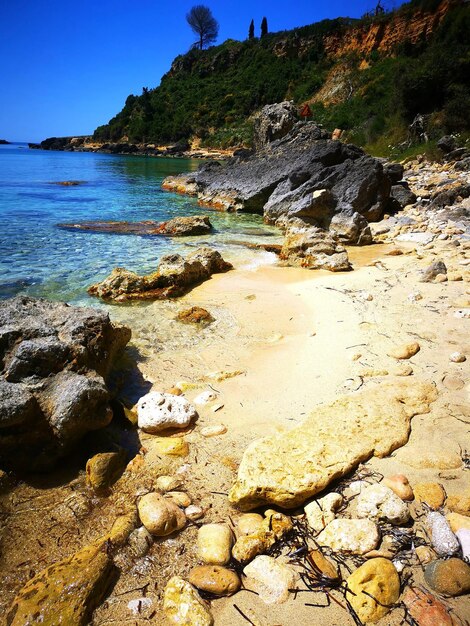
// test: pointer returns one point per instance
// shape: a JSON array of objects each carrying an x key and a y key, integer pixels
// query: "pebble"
[
  {"x": 457, "y": 522},
  {"x": 444, "y": 542},
  {"x": 139, "y": 542},
  {"x": 321, "y": 511},
  {"x": 450, "y": 577},
  {"x": 249, "y": 523},
  {"x": 174, "y": 391},
  {"x": 326, "y": 567},
  {"x": 215, "y": 579},
  {"x": 173, "y": 446},
  {"x": 379, "y": 502},
  {"x": 357, "y": 486},
  {"x": 400, "y": 486},
  {"x": 425, "y": 554},
  {"x": 405, "y": 351},
  {"x": 180, "y": 498},
  {"x": 432, "y": 494},
  {"x": 103, "y": 469},
  {"x": 214, "y": 544},
  {"x": 414, "y": 297},
  {"x": 158, "y": 411},
  {"x": 425, "y": 609},
  {"x": 271, "y": 579},
  {"x": 194, "y": 512},
  {"x": 457, "y": 357},
  {"x": 462, "y": 313},
  {"x": 379, "y": 579},
  {"x": 159, "y": 515},
  {"x": 214, "y": 430},
  {"x": 184, "y": 606},
  {"x": 168, "y": 483},
  {"x": 351, "y": 535},
  {"x": 205, "y": 397}
]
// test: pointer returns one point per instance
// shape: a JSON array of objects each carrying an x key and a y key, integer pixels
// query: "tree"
[
  {"x": 251, "y": 32},
  {"x": 203, "y": 24},
  {"x": 264, "y": 27}
]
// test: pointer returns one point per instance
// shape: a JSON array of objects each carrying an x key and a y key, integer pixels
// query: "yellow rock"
[
  {"x": 379, "y": 579},
  {"x": 457, "y": 521},
  {"x": 432, "y": 494},
  {"x": 103, "y": 469},
  {"x": 405, "y": 351},
  {"x": 459, "y": 503},
  {"x": 272, "y": 528},
  {"x": 184, "y": 606},
  {"x": 174, "y": 446}
]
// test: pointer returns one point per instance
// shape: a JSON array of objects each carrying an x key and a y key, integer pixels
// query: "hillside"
[{"x": 370, "y": 77}]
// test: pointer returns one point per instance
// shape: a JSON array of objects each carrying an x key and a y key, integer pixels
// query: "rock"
[
  {"x": 180, "y": 498},
  {"x": 140, "y": 541},
  {"x": 379, "y": 579},
  {"x": 378, "y": 502},
  {"x": 321, "y": 511},
  {"x": 159, "y": 515},
  {"x": 184, "y": 606},
  {"x": 463, "y": 535},
  {"x": 401, "y": 370},
  {"x": 249, "y": 523},
  {"x": 394, "y": 171},
  {"x": 425, "y": 609},
  {"x": 159, "y": 411},
  {"x": 447, "y": 144},
  {"x": 193, "y": 512},
  {"x": 272, "y": 529},
  {"x": 168, "y": 483},
  {"x": 425, "y": 554},
  {"x": 176, "y": 227},
  {"x": 327, "y": 568},
  {"x": 103, "y": 469},
  {"x": 205, "y": 397},
  {"x": 402, "y": 194},
  {"x": 195, "y": 315},
  {"x": 457, "y": 357},
  {"x": 444, "y": 541},
  {"x": 459, "y": 503},
  {"x": 173, "y": 277},
  {"x": 289, "y": 468},
  {"x": 214, "y": 544},
  {"x": 458, "y": 522},
  {"x": 432, "y": 271},
  {"x": 400, "y": 485},
  {"x": 453, "y": 383},
  {"x": 273, "y": 122},
  {"x": 357, "y": 536},
  {"x": 450, "y": 577},
  {"x": 432, "y": 494},
  {"x": 421, "y": 239},
  {"x": 314, "y": 249},
  {"x": 405, "y": 351},
  {"x": 52, "y": 387},
  {"x": 271, "y": 579},
  {"x": 173, "y": 446},
  {"x": 213, "y": 431},
  {"x": 215, "y": 579}
]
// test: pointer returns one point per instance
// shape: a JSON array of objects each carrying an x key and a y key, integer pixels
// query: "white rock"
[
  {"x": 321, "y": 511},
  {"x": 463, "y": 535},
  {"x": 381, "y": 503},
  {"x": 462, "y": 314},
  {"x": 399, "y": 566},
  {"x": 457, "y": 357},
  {"x": 168, "y": 483},
  {"x": 214, "y": 544},
  {"x": 136, "y": 606},
  {"x": 351, "y": 535},
  {"x": 357, "y": 486},
  {"x": 194, "y": 512},
  {"x": 444, "y": 542},
  {"x": 414, "y": 297},
  {"x": 205, "y": 397},
  {"x": 271, "y": 579},
  {"x": 214, "y": 430},
  {"x": 420, "y": 238},
  {"x": 158, "y": 411}
]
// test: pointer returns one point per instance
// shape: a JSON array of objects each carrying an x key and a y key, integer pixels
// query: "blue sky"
[{"x": 67, "y": 67}]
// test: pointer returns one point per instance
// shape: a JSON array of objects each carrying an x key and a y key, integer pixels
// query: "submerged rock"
[
  {"x": 176, "y": 227},
  {"x": 103, "y": 469},
  {"x": 195, "y": 315},
  {"x": 373, "y": 589}
]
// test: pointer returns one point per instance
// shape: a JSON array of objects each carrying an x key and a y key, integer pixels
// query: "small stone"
[
  {"x": 441, "y": 278},
  {"x": 195, "y": 315},
  {"x": 379, "y": 502},
  {"x": 379, "y": 579},
  {"x": 158, "y": 411},
  {"x": 400, "y": 486},
  {"x": 139, "y": 542},
  {"x": 450, "y": 577},
  {"x": 444, "y": 542},
  {"x": 326, "y": 567},
  {"x": 104, "y": 469},
  {"x": 214, "y": 544},
  {"x": 174, "y": 391},
  {"x": 463, "y": 535},
  {"x": 457, "y": 357},
  {"x": 173, "y": 446},
  {"x": 205, "y": 397},
  {"x": 405, "y": 351},
  {"x": 213, "y": 431},
  {"x": 415, "y": 296},
  {"x": 432, "y": 494},
  {"x": 401, "y": 370},
  {"x": 168, "y": 483},
  {"x": 249, "y": 523},
  {"x": 194, "y": 512},
  {"x": 180, "y": 498},
  {"x": 425, "y": 609},
  {"x": 356, "y": 486},
  {"x": 271, "y": 579},
  {"x": 184, "y": 606},
  {"x": 273, "y": 527},
  {"x": 437, "y": 268},
  {"x": 215, "y": 579},
  {"x": 321, "y": 511},
  {"x": 159, "y": 515},
  {"x": 350, "y": 535},
  {"x": 425, "y": 554},
  {"x": 457, "y": 522}
]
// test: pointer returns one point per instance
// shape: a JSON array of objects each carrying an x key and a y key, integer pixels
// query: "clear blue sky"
[{"x": 67, "y": 67}]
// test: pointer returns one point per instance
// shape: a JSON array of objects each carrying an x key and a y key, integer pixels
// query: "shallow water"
[{"x": 39, "y": 259}]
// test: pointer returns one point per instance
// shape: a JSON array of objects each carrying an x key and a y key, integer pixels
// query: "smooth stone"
[
  {"x": 379, "y": 502},
  {"x": 425, "y": 609},
  {"x": 159, "y": 515},
  {"x": 215, "y": 579},
  {"x": 432, "y": 494},
  {"x": 326, "y": 567},
  {"x": 214, "y": 430},
  {"x": 463, "y": 535},
  {"x": 271, "y": 579},
  {"x": 458, "y": 522},
  {"x": 457, "y": 357},
  {"x": 173, "y": 446},
  {"x": 400, "y": 486},
  {"x": 180, "y": 498},
  {"x": 168, "y": 483},
  {"x": 321, "y": 511},
  {"x": 249, "y": 523},
  {"x": 194, "y": 512},
  {"x": 159, "y": 411},
  {"x": 184, "y": 606},
  {"x": 350, "y": 535},
  {"x": 379, "y": 579},
  {"x": 104, "y": 469},
  {"x": 444, "y": 542},
  {"x": 450, "y": 577},
  {"x": 425, "y": 554},
  {"x": 139, "y": 542},
  {"x": 205, "y": 397},
  {"x": 274, "y": 526},
  {"x": 214, "y": 544},
  {"x": 405, "y": 351}
]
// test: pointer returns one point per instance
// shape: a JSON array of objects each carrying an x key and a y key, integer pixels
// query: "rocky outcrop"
[
  {"x": 174, "y": 277},
  {"x": 273, "y": 122},
  {"x": 176, "y": 227},
  {"x": 312, "y": 248},
  {"x": 55, "y": 359}
]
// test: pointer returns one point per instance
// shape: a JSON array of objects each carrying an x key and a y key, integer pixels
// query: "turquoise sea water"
[{"x": 39, "y": 259}]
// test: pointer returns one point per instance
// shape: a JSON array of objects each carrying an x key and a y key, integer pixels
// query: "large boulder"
[
  {"x": 313, "y": 248},
  {"x": 54, "y": 360},
  {"x": 273, "y": 122}
]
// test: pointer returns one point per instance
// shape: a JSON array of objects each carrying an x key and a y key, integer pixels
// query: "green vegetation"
[{"x": 212, "y": 93}]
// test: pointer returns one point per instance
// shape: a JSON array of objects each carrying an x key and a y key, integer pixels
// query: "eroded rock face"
[
  {"x": 313, "y": 248},
  {"x": 273, "y": 122},
  {"x": 55, "y": 359},
  {"x": 176, "y": 227},
  {"x": 287, "y": 469},
  {"x": 173, "y": 277}
]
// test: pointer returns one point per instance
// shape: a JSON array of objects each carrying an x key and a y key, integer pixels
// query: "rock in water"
[
  {"x": 176, "y": 227},
  {"x": 379, "y": 502},
  {"x": 289, "y": 468},
  {"x": 357, "y": 536},
  {"x": 215, "y": 579},
  {"x": 374, "y": 587},
  {"x": 184, "y": 606},
  {"x": 195, "y": 315},
  {"x": 158, "y": 411},
  {"x": 52, "y": 388},
  {"x": 449, "y": 578},
  {"x": 271, "y": 579}
]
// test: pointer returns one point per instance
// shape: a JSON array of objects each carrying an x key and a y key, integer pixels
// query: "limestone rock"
[
  {"x": 426, "y": 609},
  {"x": 380, "y": 503},
  {"x": 288, "y": 469},
  {"x": 184, "y": 606},
  {"x": 214, "y": 544},
  {"x": 271, "y": 579},
  {"x": 357, "y": 536},
  {"x": 168, "y": 483},
  {"x": 215, "y": 579},
  {"x": 274, "y": 526},
  {"x": 449, "y": 577},
  {"x": 314, "y": 249},
  {"x": 158, "y": 411},
  {"x": 444, "y": 541},
  {"x": 273, "y": 122},
  {"x": 457, "y": 522},
  {"x": 459, "y": 503},
  {"x": 103, "y": 469},
  {"x": 321, "y": 511},
  {"x": 405, "y": 351},
  {"x": 173, "y": 446},
  {"x": 400, "y": 485},
  {"x": 379, "y": 578},
  {"x": 195, "y": 315},
  {"x": 249, "y": 523},
  {"x": 432, "y": 494},
  {"x": 159, "y": 515}
]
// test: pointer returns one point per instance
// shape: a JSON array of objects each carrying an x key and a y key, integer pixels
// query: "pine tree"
[
  {"x": 203, "y": 24},
  {"x": 251, "y": 32},
  {"x": 264, "y": 27}
]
